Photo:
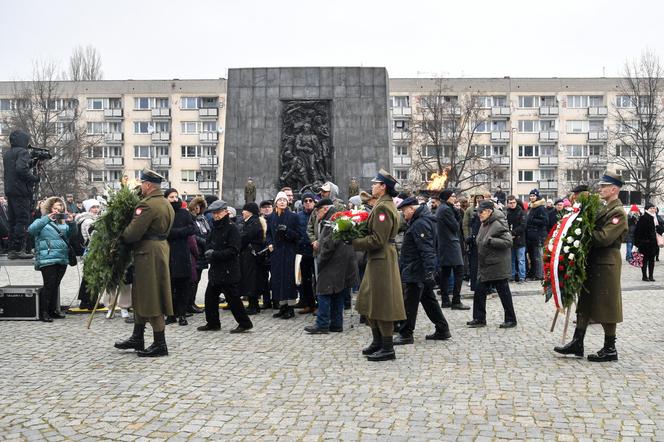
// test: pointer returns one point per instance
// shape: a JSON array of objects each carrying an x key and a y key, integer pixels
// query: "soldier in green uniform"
[
  {"x": 600, "y": 299},
  {"x": 151, "y": 290},
  {"x": 381, "y": 298}
]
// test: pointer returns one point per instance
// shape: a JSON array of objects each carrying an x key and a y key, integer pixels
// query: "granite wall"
[{"x": 359, "y": 124}]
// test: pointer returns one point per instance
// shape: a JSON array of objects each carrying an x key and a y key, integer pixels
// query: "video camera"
[{"x": 39, "y": 154}]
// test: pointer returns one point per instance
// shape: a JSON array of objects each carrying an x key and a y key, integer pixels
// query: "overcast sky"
[{"x": 166, "y": 39}]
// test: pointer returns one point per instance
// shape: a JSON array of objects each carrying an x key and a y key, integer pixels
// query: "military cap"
[
  {"x": 610, "y": 178},
  {"x": 151, "y": 176},
  {"x": 216, "y": 206},
  {"x": 485, "y": 204},
  {"x": 265, "y": 203},
  {"x": 324, "y": 202},
  {"x": 390, "y": 182},
  {"x": 410, "y": 201}
]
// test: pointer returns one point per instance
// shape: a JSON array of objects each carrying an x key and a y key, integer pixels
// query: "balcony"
[
  {"x": 501, "y": 112},
  {"x": 114, "y": 162},
  {"x": 598, "y": 112},
  {"x": 505, "y": 185},
  {"x": 548, "y": 185},
  {"x": 161, "y": 137},
  {"x": 157, "y": 162},
  {"x": 161, "y": 113},
  {"x": 500, "y": 160},
  {"x": 208, "y": 185},
  {"x": 208, "y": 162},
  {"x": 401, "y": 160},
  {"x": 598, "y": 136},
  {"x": 401, "y": 135},
  {"x": 112, "y": 113},
  {"x": 549, "y": 111},
  {"x": 113, "y": 137},
  {"x": 402, "y": 111},
  {"x": 208, "y": 137},
  {"x": 598, "y": 159},
  {"x": 115, "y": 185},
  {"x": 548, "y": 161},
  {"x": 500, "y": 136},
  {"x": 548, "y": 137},
  {"x": 67, "y": 115},
  {"x": 208, "y": 112}
]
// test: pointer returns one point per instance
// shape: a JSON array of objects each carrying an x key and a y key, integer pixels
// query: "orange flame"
[{"x": 437, "y": 182}]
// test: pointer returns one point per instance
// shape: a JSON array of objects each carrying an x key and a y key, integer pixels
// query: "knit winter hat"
[
  {"x": 445, "y": 194},
  {"x": 279, "y": 196},
  {"x": 89, "y": 204},
  {"x": 251, "y": 207}
]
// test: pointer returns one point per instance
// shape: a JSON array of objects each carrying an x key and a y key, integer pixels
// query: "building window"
[
  {"x": 498, "y": 126},
  {"x": 625, "y": 101},
  {"x": 189, "y": 127},
  {"x": 141, "y": 103},
  {"x": 625, "y": 150},
  {"x": 189, "y": 151},
  {"x": 483, "y": 127},
  {"x": 498, "y": 151},
  {"x": 548, "y": 151},
  {"x": 143, "y": 127},
  {"x": 208, "y": 102},
  {"x": 400, "y": 101},
  {"x": 142, "y": 151},
  {"x": 189, "y": 103},
  {"x": 161, "y": 151},
  {"x": 527, "y": 176},
  {"x": 95, "y": 128},
  {"x": 529, "y": 101},
  {"x": 596, "y": 125},
  {"x": 528, "y": 126},
  {"x": 577, "y": 126},
  {"x": 548, "y": 101},
  {"x": 162, "y": 127},
  {"x": 547, "y": 175},
  {"x": 576, "y": 150},
  {"x": 577, "y": 101},
  {"x": 209, "y": 126},
  {"x": 401, "y": 125},
  {"x": 96, "y": 175},
  {"x": 400, "y": 150},
  {"x": 480, "y": 150},
  {"x": 96, "y": 104},
  {"x": 401, "y": 174},
  {"x": 189, "y": 176},
  {"x": 547, "y": 125},
  {"x": 528, "y": 150}
]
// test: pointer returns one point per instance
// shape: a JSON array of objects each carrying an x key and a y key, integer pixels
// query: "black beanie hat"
[
  {"x": 445, "y": 194},
  {"x": 251, "y": 207}
]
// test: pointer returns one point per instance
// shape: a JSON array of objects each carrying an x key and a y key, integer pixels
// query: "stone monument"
[{"x": 296, "y": 126}]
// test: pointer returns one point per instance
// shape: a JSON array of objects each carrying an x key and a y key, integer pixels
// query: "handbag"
[
  {"x": 636, "y": 260},
  {"x": 71, "y": 253},
  {"x": 660, "y": 240}
]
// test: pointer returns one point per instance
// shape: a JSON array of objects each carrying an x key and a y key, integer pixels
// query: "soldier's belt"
[{"x": 154, "y": 237}]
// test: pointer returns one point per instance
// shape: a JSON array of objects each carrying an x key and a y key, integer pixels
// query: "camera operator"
[{"x": 19, "y": 187}]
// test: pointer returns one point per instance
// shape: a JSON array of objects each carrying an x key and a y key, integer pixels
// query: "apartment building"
[
  {"x": 172, "y": 126},
  {"x": 545, "y": 133},
  {"x": 549, "y": 133}
]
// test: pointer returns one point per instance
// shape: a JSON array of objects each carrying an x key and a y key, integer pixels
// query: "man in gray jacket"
[{"x": 494, "y": 249}]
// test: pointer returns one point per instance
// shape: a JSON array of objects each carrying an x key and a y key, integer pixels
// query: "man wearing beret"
[
  {"x": 381, "y": 298},
  {"x": 151, "y": 290},
  {"x": 600, "y": 299},
  {"x": 417, "y": 262}
]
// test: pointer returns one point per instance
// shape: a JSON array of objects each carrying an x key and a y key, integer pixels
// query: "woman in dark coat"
[
  {"x": 197, "y": 208},
  {"x": 645, "y": 239},
  {"x": 283, "y": 234},
  {"x": 253, "y": 241},
  {"x": 179, "y": 257}
]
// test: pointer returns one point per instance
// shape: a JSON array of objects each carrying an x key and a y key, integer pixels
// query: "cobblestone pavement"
[{"x": 62, "y": 382}]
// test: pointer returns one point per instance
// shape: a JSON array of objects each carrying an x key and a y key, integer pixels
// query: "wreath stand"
[{"x": 566, "y": 325}]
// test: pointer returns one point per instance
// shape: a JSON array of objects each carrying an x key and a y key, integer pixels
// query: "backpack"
[{"x": 76, "y": 240}]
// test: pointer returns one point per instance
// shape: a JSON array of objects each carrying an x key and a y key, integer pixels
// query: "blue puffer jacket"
[{"x": 50, "y": 249}]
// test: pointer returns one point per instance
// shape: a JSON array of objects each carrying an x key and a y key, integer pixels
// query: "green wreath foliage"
[{"x": 107, "y": 257}]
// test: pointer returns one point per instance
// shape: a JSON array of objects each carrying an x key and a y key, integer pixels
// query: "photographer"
[
  {"x": 19, "y": 187},
  {"x": 51, "y": 233}
]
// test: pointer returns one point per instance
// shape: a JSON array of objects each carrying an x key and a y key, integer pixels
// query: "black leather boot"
[
  {"x": 136, "y": 341},
  {"x": 375, "y": 343},
  {"x": 386, "y": 351},
  {"x": 281, "y": 312},
  {"x": 289, "y": 312},
  {"x": 575, "y": 346},
  {"x": 607, "y": 353},
  {"x": 158, "y": 347}
]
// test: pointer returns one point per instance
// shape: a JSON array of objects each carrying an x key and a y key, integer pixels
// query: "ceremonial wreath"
[
  {"x": 566, "y": 251},
  {"x": 349, "y": 225}
]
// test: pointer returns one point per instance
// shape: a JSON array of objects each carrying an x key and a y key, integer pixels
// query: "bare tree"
[
  {"x": 53, "y": 120},
  {"x": 85, "y": 64},
  {"x": 447, "y": 128},
  {"x": 639, "y": 141}
]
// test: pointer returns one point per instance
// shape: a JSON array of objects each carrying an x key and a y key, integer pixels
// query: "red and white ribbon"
[{"x": 558, "y": 244}]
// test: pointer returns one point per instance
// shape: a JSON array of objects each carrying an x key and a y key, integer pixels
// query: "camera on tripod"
[{"x": 39, "y": 154}]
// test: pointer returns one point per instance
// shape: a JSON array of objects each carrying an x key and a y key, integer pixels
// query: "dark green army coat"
[
  {"x": 151, "y": 290},
  {"x": 600, "y": 298},
  {"x": 249, "y": 193},
  {"x": 381, "y": 297}
]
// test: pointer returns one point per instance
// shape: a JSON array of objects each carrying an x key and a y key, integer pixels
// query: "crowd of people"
[{"x": 283, "y": 254}]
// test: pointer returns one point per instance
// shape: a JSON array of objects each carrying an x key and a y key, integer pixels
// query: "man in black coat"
[
  {"x": 19, "y": 187},
  {"x": 417, "y": 263},
  {"x": 537, "y": 222},
  {"x": 449, "y": 249},
  {"x": 516, "y": 221},
  {"x": 223, "y": 254}
]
